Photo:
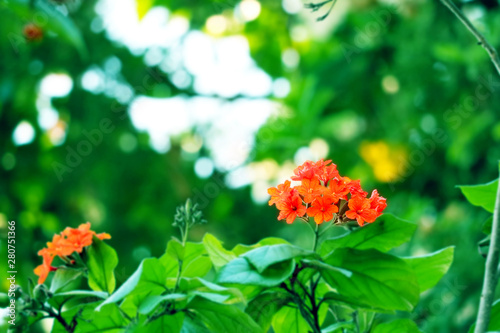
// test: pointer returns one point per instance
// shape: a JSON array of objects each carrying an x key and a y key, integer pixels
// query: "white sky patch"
[
  {"x": 155, "y": 29},
  {"x": 56, "y": 85},
  {"x": 204, "y": 167},
  {"x": 23, "y": 134},
  {"x": 215, "y": 67},
  {"x": 229, "y": 128}
]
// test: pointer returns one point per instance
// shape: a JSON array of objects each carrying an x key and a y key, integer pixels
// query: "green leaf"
[
  {"x": 223, "y": 317},
  {"x": 319, "y": 265},
  {"x": 63, "y": 277},
  {"x": 263, "y": 257},
  {"x": 166, "y": 324},
  {"x": 240, "y": 271},
  {"x": 289, "y": 320},
  {"x": 384, "y": 234},
  {"x": 241, "y": 248},
  {"x": 483, "y": 195},
  {"x": 101, "y": 263},
  {"x": 430, "y": 268},
  {"x": 338, "y": 327},
  {"x": 193, "y": 286},
  {"x": 337, "y": 299},
  {"x": 109, "y": 319},
  {"x": 263, "y": 307},
  {"x": 175, "y": 249},
  {"x": 150, "y": 277},
  {"x": 195, "y": 260},
  {"x": 378, "y": 280},
  {"x": 398, "y": 325},
  {"x": 151, "y": 302},
  {"x": 59, "y": 298},
  {"x": 193, "y": 325},
  {"x": 217, "y": 253},
  {"x": 54, "y": 21},
  {"x": 487, "y": 225}
]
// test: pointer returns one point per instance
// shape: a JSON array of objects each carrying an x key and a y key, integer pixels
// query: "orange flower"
[
  {"x": 291, "y": 207},
  {"x": 304, "y": 171},
  {"x": 355, "y": 188},
  {"x": 65, "y": 244},
  {"x": 322, "y": 193},
  {"x": 360, "y": 210},
  {"x": 310, "y": 189},
  {"x": 377, "y": 202},
  {"x": 276, "y": 192},
  {"x": 338, "y": 188},
  {"x": 322, "y": 209},
  {"x": 45, "y": 268},
  {"x": 327, "y": 173}
]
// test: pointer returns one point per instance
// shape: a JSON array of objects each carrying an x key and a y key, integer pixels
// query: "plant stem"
[
  {"x": 480, "y": 38},
  {"x": 490, "y": 275},
  {"x": 316, "y": 236}
]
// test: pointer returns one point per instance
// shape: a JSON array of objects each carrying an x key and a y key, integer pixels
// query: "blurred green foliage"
[{"x": 404, "y": 98}]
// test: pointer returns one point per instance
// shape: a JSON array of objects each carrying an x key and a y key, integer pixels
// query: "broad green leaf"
[
  {"x": 265, "y": 256},
  {"x": 193, "y": 325},
  {"x": 319, "y": 265},
  {"x": 175, "y": 249},
  {"x": 109, "y": 319},
  {"x": 101, "y": 263},
  {"x": 63, "y": 277},
  {"x": 151, "y": 302},
  {"x": 150, "y": 278},
  {"x": 483, "y": 195},
  {"x": 195, "y": 261},
  {"x": 384, "y": 234},
  {"x": 263, "y": 307},
  {"x": 192, "y": 286},
  {"x": 217, "y": 253},
  {"x": 338, "y": 327},
  {"x": 165, "y": 324},
  {"x": 430, "y": 268},
  {"x": 223, "y": 317},
  {"x": 378, "y": 280},
  {"x": 240, "y": 271},
  {"x": 337, "y": 299},
  {"x": 398, "y": 325},
  {"x": 70, "y": 314},
  {"x": 289, "y": 320},
  {"x": 241, "y": 248},
  {"x": 494, "y": 325},
  {"x": 90, "y": 296}
]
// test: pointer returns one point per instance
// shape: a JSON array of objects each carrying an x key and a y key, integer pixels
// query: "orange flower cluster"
[
  {"x": 324, "y": 194},
  {"x": 63, "y": 245}
]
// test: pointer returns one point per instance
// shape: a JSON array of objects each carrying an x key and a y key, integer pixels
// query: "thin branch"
[
  {"x": 479, "y": 36},
  {"x": 490, "y": 275}
]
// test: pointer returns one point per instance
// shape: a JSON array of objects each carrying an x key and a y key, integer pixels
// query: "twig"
[
  {"x": 490, "y": 275},
  {"x": 480, "y": 38}
]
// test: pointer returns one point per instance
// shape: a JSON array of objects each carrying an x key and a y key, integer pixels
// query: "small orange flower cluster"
[
  {"x": 323, "y": 194},
  {"x": 63, "y": 245}
]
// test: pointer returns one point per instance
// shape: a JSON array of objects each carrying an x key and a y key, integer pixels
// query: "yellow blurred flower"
[{"x": 384, "y": 160}]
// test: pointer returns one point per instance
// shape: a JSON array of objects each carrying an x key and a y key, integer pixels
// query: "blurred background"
[{"x": 116, "y": 111}]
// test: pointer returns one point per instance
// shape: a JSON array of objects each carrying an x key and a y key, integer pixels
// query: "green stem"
[
  {"x": 316, "y": 237},
  {"x": 490, "y": 275},
  {"x": 480, "y": 38}
]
